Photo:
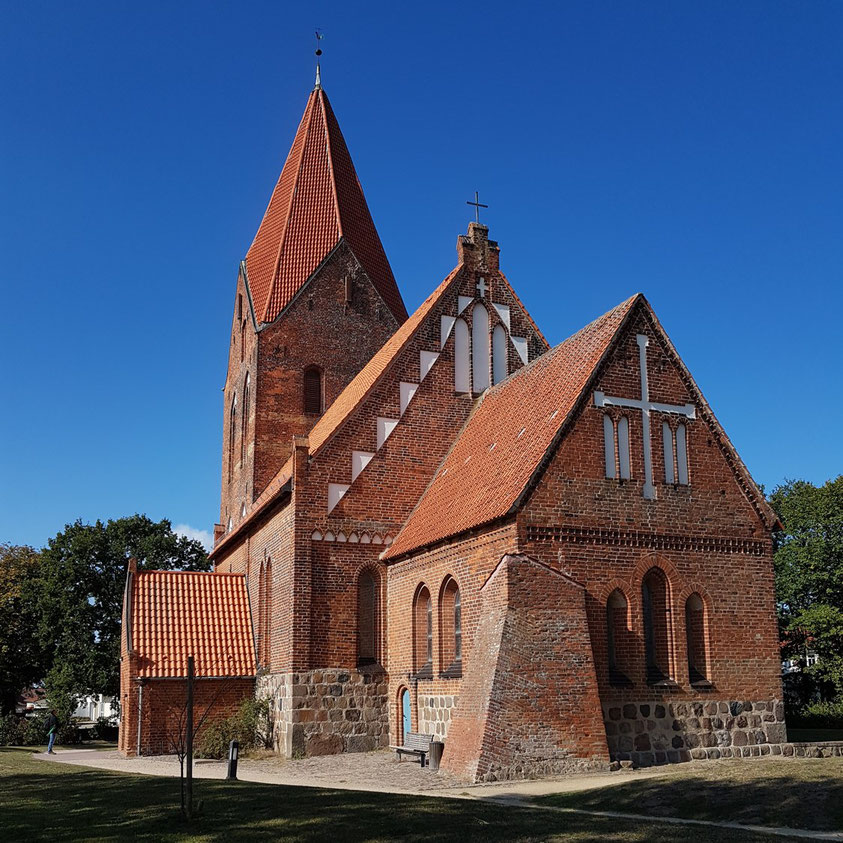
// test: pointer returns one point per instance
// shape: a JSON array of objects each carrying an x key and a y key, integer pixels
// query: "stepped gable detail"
[
  {"x": 317, "y": 202},
  {"x": 394, "y": 423}
]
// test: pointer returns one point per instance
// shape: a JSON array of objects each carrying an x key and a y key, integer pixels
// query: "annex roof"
[
  {"x": 317, "y": 202},
  {"x": 176, "y": 614},
  {"x": 507, "y": 436}
]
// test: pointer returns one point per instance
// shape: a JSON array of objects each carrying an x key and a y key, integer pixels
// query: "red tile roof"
[
  {"x": 176, "y": 614},
  {"x": 316, "y": 202},
  {"x": 507, "y": 436}
]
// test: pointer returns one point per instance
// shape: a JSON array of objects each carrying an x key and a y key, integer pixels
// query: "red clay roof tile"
[
  {"x": 176, "y": 614},
  {"x": 316, "y": 202}
]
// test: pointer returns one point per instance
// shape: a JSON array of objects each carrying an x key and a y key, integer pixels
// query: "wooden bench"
[{"x": 414, "y": 744}]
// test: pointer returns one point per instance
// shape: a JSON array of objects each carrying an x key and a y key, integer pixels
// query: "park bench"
[{"x": 414, "y": 744}]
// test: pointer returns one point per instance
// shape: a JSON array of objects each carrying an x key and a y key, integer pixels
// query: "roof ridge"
[{"x": 331, "y": 171}]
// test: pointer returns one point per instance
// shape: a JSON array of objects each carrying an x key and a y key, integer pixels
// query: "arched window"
[
  {"x": 313, "y": 391},
  {"x": 682, "y": 455},
  {"x": 245, "y": 431},
  {"x": 462, "y": 357},
  {"x": 675, "y": 456},
  {"x": 623, "y": 448},
  {"x": 243, "y": 341},
  {"x": 232, "y": 434},
  {"x": 616, "y": 447},
  {"x": 499, "y": 361},
  {"x": 423, "y": 633},
  {"x": 618, "y": 638},
  {"x": 658, "y": 643},
  {"x": 367, "y": 619},
  {"x": 695, "y": 632},
  {"x": 450, "y": 628},
  {"x": 480, "y": 347}
]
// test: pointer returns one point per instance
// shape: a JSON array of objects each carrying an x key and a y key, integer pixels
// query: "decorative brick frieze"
[{"x": 644, "y": 539}]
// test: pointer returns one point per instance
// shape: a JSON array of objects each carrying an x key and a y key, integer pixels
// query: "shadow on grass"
[
  {"x": 60, "y": 802},
  {"x": 805, "y": 799}
]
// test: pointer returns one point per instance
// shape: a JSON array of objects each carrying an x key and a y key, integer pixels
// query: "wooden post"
[{"x": 189, "y": 738}]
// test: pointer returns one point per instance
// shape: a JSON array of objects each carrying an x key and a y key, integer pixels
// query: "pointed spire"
[
  {"x": 317, "y": 202},
  {"x": 318, "y": 85}
]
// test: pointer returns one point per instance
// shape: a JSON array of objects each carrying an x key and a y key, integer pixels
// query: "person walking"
[{"x": 52, "y": 729}]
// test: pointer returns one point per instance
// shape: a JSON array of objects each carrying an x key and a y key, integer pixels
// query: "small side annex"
[{"x": 167, "y": 617}]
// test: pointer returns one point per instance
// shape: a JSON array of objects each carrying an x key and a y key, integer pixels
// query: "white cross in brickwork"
[
  {"x": 481, "y": 287},
  {"x": 646, "y": 406}
]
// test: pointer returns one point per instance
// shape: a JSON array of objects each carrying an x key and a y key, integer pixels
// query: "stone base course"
[
  {"x": 325, "y": 712},
  {"x": 654, "y": 733}
]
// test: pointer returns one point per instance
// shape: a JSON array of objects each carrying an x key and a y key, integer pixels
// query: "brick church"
[{"x": 546, "y": 557}]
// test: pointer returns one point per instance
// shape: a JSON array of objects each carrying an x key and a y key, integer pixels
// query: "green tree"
[
  {"x": 82, "y": 578},
  {"x": 809, "y": 573},
  {"x": 22, "y": 660}
]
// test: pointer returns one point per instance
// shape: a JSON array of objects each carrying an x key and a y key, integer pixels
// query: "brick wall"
[
  {"x": 705, "y": 539},
  {"x": 529, "y": 704},
  {"x": 319, "y": 328}
]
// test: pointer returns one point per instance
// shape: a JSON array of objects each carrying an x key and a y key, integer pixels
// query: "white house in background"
[
  {"x": 795, "y": 665},
  {"x": 93, "y": 707}
]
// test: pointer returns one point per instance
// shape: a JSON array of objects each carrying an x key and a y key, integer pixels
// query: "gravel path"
[{"x": 373, "y": 771}]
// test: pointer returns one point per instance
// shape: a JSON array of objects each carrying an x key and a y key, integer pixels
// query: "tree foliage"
[
  {"x": 22, "y": 661},
  {"x": 82, "y": 577},
  {"x": 809, "y": 573}
]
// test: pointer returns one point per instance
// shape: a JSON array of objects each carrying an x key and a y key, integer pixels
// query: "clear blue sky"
[{"x": 691, "y": 151}]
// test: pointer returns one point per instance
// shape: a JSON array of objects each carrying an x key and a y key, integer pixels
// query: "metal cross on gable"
[
  {"x": 477, "y": 206},
  {"x": 646, "y": 406}
]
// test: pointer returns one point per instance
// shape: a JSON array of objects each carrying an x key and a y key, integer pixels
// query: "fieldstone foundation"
[
  {"x": 661, "y": 733},
  {"x": 325, "y": 712}
]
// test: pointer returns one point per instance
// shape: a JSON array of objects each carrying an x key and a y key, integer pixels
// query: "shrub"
[
  {"x": 13, "y": 731},
  {"x": 248, "y": 726},
  {"x": 106, "y": 729},
  {"x": 820, "y": 715}
]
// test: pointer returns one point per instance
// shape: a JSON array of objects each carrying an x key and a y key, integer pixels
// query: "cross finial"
[
  {"x": 477, "y": 206},
  {"x": 319, "y": 37}
]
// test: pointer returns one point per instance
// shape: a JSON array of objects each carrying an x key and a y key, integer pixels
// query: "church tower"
[{"x": 315, "y": 299}]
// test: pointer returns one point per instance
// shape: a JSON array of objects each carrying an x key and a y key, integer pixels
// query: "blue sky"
[{"x": 689, "y": 151}]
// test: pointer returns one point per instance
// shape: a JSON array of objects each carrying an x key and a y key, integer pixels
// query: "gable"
[
  {"x": 503, "y": 452},
  {"x": 690, "y": 480}
]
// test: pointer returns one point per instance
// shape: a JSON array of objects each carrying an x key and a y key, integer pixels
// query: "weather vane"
[{"x": 319, "y": 37}]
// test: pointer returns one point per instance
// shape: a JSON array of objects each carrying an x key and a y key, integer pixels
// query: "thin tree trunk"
[{"x": 189, "y": 737}]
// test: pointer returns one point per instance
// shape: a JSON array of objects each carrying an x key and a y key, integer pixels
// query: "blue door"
[{"x": 405, "y": 708}]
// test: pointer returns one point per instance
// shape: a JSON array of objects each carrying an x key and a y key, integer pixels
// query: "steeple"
[{"x": 316, "y": 203}]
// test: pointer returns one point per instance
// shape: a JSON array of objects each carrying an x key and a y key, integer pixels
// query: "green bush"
[
  {"x": 248, "y": 726},
  {"x": 106, "y": 729},
  {"x": 820, "y": 715},
  {"x": 13, "y": 731}
]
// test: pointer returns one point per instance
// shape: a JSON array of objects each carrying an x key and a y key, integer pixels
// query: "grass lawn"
[
  {"x": 799, "y": 793},
  {"x": 58, "y": 802}
]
